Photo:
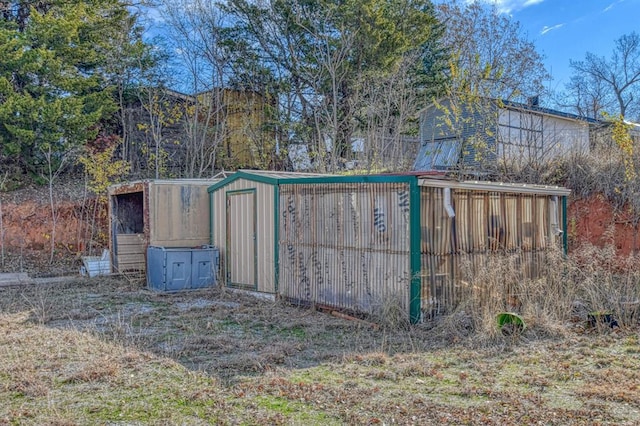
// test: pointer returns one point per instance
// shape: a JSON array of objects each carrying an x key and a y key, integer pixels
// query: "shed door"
[{"x": 241, "y": 238}]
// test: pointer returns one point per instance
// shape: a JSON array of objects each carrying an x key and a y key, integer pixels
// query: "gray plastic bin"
[{"x": 177, "y": 268}]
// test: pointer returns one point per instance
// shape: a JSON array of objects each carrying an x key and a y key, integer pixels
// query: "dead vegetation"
[{"x": 105, "y": 351}]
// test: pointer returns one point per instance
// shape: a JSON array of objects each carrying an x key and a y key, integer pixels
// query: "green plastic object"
[{"x": 510, "y": 323}]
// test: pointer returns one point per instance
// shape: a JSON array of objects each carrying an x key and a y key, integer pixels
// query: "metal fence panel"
[{"x": 345, "y": 244}]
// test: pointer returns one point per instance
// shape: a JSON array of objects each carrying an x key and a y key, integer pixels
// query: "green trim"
[
  {"x": 350, "y": 179},
  {"x": 210, "y": 218},
  {"x": 565, "y": 230},
  {"x": 414, "y": 244},
  {"x": 255, "y": 238},
  {"x": 242, "y": 175},
  {"x": 312, "y": 179},
  {"x": 227, "y": 272},
  {"x": 276, "y": 237},
  {"x": 229, "y": 194}
]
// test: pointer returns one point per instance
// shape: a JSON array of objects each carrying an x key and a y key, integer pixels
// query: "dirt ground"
[{"x": 220, "y": 331}]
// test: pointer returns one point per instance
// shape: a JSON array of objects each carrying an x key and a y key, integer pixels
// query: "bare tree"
[
  {"x": 387, "y": 109},
  {"x": 493, "y": 55},
  {"x": 197, "y": 37},
  {"x": 490, "y": 61},
  {"x": 588, "y": 96},
  {"x": 322, "y": 56},
  {"x": 56, "y": 162},
  {"x": 613, "y": 81},
  {"x": 3, "y": 187}
]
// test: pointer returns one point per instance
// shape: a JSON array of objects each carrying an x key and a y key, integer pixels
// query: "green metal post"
[
  {"x": 415, "y": 261},
  {"x": 211, "y": 218},
  {"x": 565, "y": 236},
  {"x": 276, "y": 236}
]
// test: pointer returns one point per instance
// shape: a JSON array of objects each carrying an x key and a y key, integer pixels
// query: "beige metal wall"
[
  {"x": 264, "y": 263},
  {"x": 485, "y": 224},
  {"x": 169, "y": 213},
  {"x": 345, "y": 245},
  {"x": 178, "y": 213}
]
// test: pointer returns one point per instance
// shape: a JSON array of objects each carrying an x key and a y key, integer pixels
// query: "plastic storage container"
[{"x": 177, "y": 268}]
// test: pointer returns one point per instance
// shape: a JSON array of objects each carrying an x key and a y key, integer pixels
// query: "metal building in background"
[
  {"x": 167, "y": 213},
  {"x": 353, "y": 242}
]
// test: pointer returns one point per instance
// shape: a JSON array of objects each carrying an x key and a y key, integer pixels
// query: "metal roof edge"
[
  {"x": 546, "y": 111},
  {"x": 312, "y": 178},
  {"x": 351, "y": 179},
  {"x": 520, "y": 188},
  {"x": 203, "y": 181},
  {"x": 241, "y": 174}
]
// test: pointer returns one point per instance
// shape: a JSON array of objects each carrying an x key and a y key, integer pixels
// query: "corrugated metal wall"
[
  {"x": 234, "y": 225},
  {"x": 484, "y": 224},
  {"x": 457, "y": 131},
  {"x": 345, "y": 244}
]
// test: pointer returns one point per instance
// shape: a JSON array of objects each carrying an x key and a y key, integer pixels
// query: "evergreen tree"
[{"x": 54, "y": 84}]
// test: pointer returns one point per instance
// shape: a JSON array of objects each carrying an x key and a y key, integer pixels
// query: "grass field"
[{"x": 106, "y": 351}]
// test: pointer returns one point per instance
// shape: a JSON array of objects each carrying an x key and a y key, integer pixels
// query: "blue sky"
[
  {"x": 565, "y": 30},
  {"x": 562, "y": 30}
]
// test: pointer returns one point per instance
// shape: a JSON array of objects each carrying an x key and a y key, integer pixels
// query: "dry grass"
[
  {"x": 593, "y": 290},
  {"x": 105, "y": 351}
]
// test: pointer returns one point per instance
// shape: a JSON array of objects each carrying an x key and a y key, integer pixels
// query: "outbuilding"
[
  {"x": 353, "y": 242},
  {"x": 163, "y": 213}
]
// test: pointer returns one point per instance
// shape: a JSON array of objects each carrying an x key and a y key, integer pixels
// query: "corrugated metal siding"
[
  {"x": 485, "y": 224},
  {"x": 345, "y": 245},
  {"x": 264, "y": 231},
  {"x": 466, "y": 139}
]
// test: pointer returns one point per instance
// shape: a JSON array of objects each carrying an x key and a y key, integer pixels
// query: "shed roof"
[
  {"x": 546, "y": 111},
  {"x": 134, "y": 185},
  {"x": 280, "y": 178},
  {"x": 273, "y": 174},
  {"x": 423, "y": 178},
  {"x": 474, "y": 185}
]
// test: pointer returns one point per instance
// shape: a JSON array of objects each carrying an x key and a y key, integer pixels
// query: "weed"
[{"x": 105, "y": 353}]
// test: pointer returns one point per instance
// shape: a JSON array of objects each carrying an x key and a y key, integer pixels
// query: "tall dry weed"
[
  {"x": 568, "y": 291},
  {"x": 607, "y": 282}
]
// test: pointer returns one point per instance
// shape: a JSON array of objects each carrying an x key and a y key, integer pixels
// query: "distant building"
[
  {"x": 231, "y": 127},
  {"x": 491, "y": 132},
  {"x": 248, "y": 142}
]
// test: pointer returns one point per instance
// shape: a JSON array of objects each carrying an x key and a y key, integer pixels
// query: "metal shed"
[
  {"x": 167, "y": 213},
  {"x": 352, "y": 242},
  {"x": 244, "y": 223}
]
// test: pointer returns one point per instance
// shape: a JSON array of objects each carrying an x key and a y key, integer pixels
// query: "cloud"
[
  {"x": 611, "y": 6},
  {"x": 546, "y": 29},
  {"x": 508, "y": 6}
]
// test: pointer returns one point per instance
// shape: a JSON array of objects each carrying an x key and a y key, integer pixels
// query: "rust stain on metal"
[{"x": 127, "y": 188}]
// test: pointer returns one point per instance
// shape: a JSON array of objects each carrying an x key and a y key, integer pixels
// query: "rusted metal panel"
[
  {"x": 179, "y": 213},
  {"x": 345, "y": 244},
  {"x": 486, "y": 225},
  {"x": 127, "y": 188}
]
